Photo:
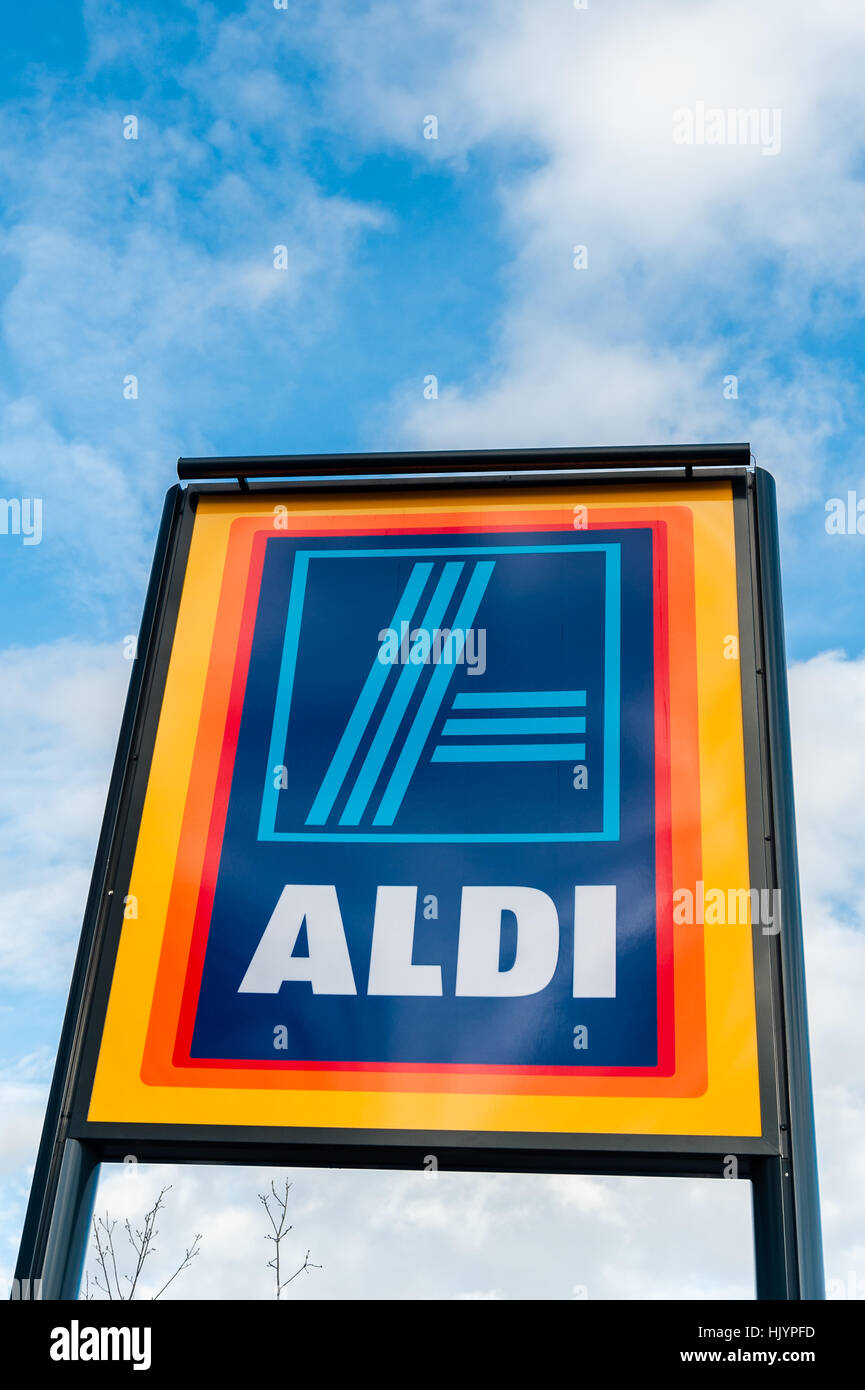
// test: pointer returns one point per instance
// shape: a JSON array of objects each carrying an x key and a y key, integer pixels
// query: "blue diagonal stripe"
[
  {"x": 285, "y": 684},
  {"x": 399, "y": 700},
  {"x": 432, "y": 699},
  {"x": 366, "y": 702}
]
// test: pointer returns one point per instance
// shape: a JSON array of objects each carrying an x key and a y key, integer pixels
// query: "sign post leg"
[
  {"x": 797, "y": 1180},
  {"x": 775, "y": 1256},
  {"x": 70, "y": 1222}
]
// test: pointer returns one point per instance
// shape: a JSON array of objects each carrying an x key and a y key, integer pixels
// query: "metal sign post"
[
  {"x": 787, "y": 1240},
  {"x": 412, "y": 843}
]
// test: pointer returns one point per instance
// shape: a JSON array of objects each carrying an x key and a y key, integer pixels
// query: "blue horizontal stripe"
[
  {"x": 509, "y": 752},
  {"x": 577, "y": 725},
  {"x": 520, "y": 699}
]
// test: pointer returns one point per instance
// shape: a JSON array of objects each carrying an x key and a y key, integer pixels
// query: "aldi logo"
[{"x": 487, "y": 708}]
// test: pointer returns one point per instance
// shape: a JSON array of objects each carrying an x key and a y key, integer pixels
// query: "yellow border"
[{"x": 730, "y": 1105}]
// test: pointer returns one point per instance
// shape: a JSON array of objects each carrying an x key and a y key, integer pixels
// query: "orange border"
[{"x": 690, "y": 1078}]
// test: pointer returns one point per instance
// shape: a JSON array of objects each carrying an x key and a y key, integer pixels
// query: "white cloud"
[
  {"x": 697, "y": 255},
  {"x": 592, "y": 95},
  {"x": 60, "y": 707},
  {"x": 827, "y": 695},
  {"x": 404, "y": 1236},
  {"x": 23, "y": 1092}
]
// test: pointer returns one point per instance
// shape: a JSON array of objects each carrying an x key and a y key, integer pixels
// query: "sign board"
[{"x": 444, "y": 824}]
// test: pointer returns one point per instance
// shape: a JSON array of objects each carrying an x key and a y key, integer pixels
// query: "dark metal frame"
[
  {"x": 449, "y": 461},
  {"x": 781, "y": 1163}
]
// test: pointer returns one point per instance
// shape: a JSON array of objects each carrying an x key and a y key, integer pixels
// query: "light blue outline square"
[{"x": 612, "y": 700}]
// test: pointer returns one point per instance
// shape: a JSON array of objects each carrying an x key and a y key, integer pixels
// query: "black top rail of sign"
[{"x": 680, "y": 457}]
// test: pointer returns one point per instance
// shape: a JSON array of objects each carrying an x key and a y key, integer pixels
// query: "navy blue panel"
[{"x": 543, "y": 615}]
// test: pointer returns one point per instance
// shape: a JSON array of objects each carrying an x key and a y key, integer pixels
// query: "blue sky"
[{"x": 304, "y": 127}]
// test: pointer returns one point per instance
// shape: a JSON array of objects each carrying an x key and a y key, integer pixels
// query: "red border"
[{"x": 665, "y": 1067}]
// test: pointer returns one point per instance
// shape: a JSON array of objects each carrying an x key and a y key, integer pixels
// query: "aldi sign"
[
  {"x": 422, "y": 776},
  {"x": 451, "y": 818}
]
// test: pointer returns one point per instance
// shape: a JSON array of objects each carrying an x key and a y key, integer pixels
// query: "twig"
[
  {"x": 280, "y": 1231},
  {"x": 142, "y": 1242}
]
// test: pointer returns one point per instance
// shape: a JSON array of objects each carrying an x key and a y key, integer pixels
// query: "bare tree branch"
[
  {"x": 141, "y": 1239},
  {"x": 304, "y": 1269},
  {"x": 280, "y": 1230},
  {"x": 103, "y": 1253},
  {"x": 189, "y": 1256}
]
